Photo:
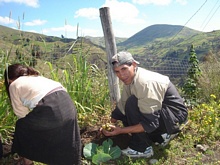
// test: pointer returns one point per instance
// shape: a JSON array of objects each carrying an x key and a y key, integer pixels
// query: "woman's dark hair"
[{"x": 14, "y": 71}]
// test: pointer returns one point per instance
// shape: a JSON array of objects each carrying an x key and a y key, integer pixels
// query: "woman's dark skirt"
[{"x": 50, "y": 132}]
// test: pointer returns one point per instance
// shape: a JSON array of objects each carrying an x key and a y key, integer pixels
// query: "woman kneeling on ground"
[{"x": 47, "y": 130}]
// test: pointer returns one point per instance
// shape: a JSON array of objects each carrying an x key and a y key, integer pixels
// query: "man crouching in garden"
[{"x": 150, "y": 107}]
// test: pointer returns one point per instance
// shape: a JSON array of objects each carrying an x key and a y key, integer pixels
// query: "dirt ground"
[
  {"x": 92, "y": 134},
  {"x": 89, "y": 134}
]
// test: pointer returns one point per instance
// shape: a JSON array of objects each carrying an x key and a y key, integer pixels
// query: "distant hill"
[
  {"x": 163, "y": 40},
  {"x": 13, "y": 35},
  {"x": 28, "y": 46},
  {"x": 153, "y": 44},
  {"x": 165, "y": 48},
  {"x": 101, "y": 41},
  {"x": 151, "y": 33},
  {"x": 171, "y": 41},
  {"x": 161, "y": 48}
]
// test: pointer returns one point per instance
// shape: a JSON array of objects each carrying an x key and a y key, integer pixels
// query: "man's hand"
[{"x": 112, "y": 131}]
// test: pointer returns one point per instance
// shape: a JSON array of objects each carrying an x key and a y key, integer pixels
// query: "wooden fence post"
[{"x": 110, "y": 46}]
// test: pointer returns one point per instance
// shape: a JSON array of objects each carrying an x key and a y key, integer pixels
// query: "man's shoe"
[
  {"x": 135, "y": 154},
  {"x": 167, "y": 138}
]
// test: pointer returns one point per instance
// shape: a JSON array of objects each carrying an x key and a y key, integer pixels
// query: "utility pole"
[{"x": 111, "y": 50}]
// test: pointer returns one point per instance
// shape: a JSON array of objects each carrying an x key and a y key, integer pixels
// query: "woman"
[{"x": 47, "y": 130}]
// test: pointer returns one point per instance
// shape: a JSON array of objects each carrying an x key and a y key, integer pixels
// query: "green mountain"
[
  {"x": 156, "y": 41},
  {"x": 172, "y": 41},
  {"x": 151, "y": 33},
  {"x": 101, "y": 41},
  {"x": 158, "y": 46}
]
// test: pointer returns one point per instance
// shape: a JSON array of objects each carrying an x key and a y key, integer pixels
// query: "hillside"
[
  {"x": 171, "y": 41},
  {"x": 167, "y": 41},
  {"x": 33, "y": 46},
  {"x": 157, "y": 46},
  {"x": 151, "y": 33},
  {"x": 101, "y": 41},
  {"x": 165, "y": 48}
]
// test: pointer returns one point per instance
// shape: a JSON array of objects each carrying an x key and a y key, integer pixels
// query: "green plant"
[
  {"x": 101, "y": 153},
  {"x": 190, "y": 87},
  {"x": 206, "y": 120},
  {"x": 86, "y": 84},
  {"x": 7, "y": 117}
]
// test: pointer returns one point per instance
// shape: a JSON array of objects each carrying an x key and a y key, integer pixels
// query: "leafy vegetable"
[{"x": 102, "y": 153}]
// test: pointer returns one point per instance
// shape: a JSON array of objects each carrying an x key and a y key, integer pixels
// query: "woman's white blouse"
[{"x": 27, "y": 91}]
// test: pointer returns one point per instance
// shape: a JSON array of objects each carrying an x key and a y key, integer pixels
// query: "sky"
[{"x": 72, "y": 18}]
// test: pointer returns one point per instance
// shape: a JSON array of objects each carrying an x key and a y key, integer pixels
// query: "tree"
[{"x": 190, "y": 87}]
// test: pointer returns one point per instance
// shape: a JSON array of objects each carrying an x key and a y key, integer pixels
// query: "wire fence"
[{"x": 175, "y": 68}]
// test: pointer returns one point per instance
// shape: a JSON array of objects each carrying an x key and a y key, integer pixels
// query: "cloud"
[
  {"x": 6, "y": 20},
  {"x": 63, "y": 30},
  {"x": 33, "y": 31},
  {"x": 91, "y": 13},
  {"x": 122, "y": 12},
  {"x": 70, "y": 31},
  {"x": 67, "y": 28},
  {"x": 31, "y": 3},
  {"x": 35, "y": 22},
  {"x": 123, "y": 15},
  {"x": 155, "y": 2},
  {"x": 90, "y": 32}
]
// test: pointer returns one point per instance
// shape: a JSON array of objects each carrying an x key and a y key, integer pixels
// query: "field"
[{"x": 87, "y": 84}]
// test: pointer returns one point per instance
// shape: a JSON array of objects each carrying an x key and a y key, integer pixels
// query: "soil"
[
  {"x": 92, "y": 134},
  {"x": 88, "y": 134}
]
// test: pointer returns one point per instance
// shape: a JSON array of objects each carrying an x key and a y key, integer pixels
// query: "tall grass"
[
  {"x": 7, "y": 117},
  {"x": 86, "y": 84}
]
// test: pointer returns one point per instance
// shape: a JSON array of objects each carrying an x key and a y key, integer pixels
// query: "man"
[{"x": 150, "y": 107}]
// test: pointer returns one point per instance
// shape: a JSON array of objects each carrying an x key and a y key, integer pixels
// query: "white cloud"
[
  {"x": 35, "y": 22},
  {"x": 6, "y": 20},
  {"x": 68, "y": 30},
  {"x": 122, "y": 12},
  {"x": 91, "y": 13},
  {"x": 31, "y": 3},
  {"x": 89, "y": 32},
  {"x": 155, "y": 2},
  {"x": 33, "y": 31},
  {"x": 123, "y": 15}
]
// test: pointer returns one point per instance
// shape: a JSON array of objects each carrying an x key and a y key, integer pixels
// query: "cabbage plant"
[{"x": 101, "y": 153}]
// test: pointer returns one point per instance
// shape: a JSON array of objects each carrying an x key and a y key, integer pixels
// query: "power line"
[
  {"x": 211, "y": 17},
  {"x": 209, "y": 13},
  {"x": 189, "y": 20}
]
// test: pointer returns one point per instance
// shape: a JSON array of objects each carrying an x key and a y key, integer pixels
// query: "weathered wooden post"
[{"x": 110, "y": 46}]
